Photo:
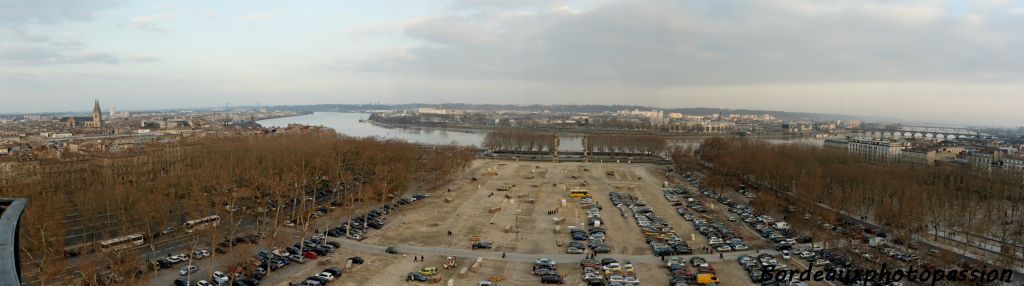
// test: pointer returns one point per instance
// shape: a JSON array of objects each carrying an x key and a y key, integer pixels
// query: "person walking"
[
  {"x": 502, "y": 254},
  {"x": 414, "y": 258},
  {"x": 721, "y": 256}
]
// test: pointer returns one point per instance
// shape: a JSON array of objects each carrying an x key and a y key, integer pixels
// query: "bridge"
[{"x": 920, "y": 132}]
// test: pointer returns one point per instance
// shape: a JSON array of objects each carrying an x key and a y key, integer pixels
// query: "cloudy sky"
[{"x": 946, "y": 61}]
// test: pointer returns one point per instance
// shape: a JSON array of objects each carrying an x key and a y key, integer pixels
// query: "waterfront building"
[{"x": 886, "y": 151}]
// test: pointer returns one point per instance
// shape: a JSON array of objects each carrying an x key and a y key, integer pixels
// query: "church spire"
[{"x": 97, "y": 114}]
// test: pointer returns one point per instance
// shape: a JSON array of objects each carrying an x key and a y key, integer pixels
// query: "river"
[{"x": 349, "y": 124}]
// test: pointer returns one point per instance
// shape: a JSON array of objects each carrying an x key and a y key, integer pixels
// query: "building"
[
  {"x": 436, "y": 111},
  {"x": 918, "y": 156},
  {"x": 95, "y": 121},
  {"x": 703, "y": 127},
  {"x": 983, "y": 159},
  {"x": 1014, "y": 163},
  {"x": 97, "y": 115},
  {"x": 838, "y": 143},
  {"x": 886, "y": 151}
]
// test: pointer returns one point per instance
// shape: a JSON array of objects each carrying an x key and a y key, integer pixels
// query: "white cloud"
[
  {"x": 669, "y": 43},
  {"x": 151, "y": 23},
  {"x": 17, "y": 12},
  {"x": 259, "y": 16}
]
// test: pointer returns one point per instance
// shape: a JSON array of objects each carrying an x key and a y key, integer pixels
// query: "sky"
[{"x": 940, "y": 61}]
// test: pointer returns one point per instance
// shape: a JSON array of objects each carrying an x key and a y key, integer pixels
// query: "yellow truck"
[{"x": 707, "y": 279}]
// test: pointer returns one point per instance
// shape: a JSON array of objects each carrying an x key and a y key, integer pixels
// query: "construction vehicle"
[
  {"x": 707, "y": 279},
  {"x": 450, "y": 262},
  {"x": 578, "y": 193},
  {"x": 428, "y": 271}
]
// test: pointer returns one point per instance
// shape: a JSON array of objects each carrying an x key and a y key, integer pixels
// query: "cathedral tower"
[{"x": 97, "y": 115}]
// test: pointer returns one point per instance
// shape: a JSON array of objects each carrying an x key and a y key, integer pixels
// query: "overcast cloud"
[{"x": 945, "y": 61}]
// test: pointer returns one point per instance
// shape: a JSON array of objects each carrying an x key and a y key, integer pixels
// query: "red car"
[{"x": 309, "y": 254}]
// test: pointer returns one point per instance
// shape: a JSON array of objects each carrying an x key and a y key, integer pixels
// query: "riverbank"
[{"x": 580, "y": 133}]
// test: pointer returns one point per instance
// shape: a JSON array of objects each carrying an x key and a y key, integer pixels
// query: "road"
[{"x": 523, "y": 257}]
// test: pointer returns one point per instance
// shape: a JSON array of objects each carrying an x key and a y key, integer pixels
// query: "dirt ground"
[
  {"x": 479, "y": 210},
  {"x": 536, "y": 189}
]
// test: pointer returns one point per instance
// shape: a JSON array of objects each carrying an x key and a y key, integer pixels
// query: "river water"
[{"x": 349, "y": 124}]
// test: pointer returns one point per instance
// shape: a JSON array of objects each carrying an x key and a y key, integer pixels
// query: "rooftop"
[{"x": 10, "y": 265}]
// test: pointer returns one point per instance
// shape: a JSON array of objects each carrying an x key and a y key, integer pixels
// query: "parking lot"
[
  {"x": 511, "y": 222},
  {"x": 518, "y": 213},
  {"x": 517, "y": 207}
]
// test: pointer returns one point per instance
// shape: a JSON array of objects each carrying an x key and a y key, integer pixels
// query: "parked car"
[
  {"x": 333, "y": 270},
  {"x": 391, "y": 250},
  {"x": 189, "y": 269},
  {"x": 482, "y": 245},
  {"x": 309, "y": 254},
  {"x": 220, "y": 278},
  {"x": 328, "y": 275},
  {"x": 552, "y": 279},
  {"x": 416, "y": 276},
  {"x": 356, "y": 259}
]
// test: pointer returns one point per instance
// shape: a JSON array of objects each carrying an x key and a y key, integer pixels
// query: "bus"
[
  {"x": 578, "y": 193},
  {"x": 202, "y": 223},
  {"x": 123, "y": 242}
]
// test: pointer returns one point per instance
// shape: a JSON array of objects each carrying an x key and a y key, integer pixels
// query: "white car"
[
  {"x": 203, "y": 283},
  {"x": 220, "y": 277},
  {"x": 328, "y": 275},
  {"x": 182, "y": 257},
  {"x": 785, "y": 254},
  {"x": 188, "y": 270},
  {"x": 200, "y": 254},
  {"x": 279, "y": 252}
]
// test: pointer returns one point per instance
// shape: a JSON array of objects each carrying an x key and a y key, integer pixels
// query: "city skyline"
[{"x": 946, "y": 62}]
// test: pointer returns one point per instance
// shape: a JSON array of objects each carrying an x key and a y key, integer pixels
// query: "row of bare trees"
[
  {"x": 619, "y": 144},
  {"x": 261, "y": 179},
  {"x": 519, "y": 141},
  {"x": 907, "y": 199}
]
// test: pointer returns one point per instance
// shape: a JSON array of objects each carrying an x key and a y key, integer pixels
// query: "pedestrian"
[
  {"x": 757, "y": 250},
  {"x": 414, "y": 258},
  {"x": 421, "y": 258},
  {"x": 721, "y": 256},
  {"x": 662, "y": 257},
  {"x": 502, "y": 254}
]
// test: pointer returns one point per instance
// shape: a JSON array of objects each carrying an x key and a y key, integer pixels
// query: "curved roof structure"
[{"x": 10, "y": 266}]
